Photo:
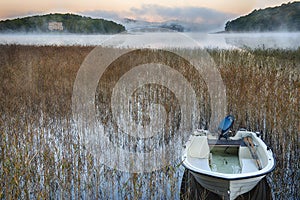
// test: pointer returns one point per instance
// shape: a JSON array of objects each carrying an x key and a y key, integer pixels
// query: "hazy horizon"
[
  {"x": 161, "y": 40},
  {"x": 201, "y": 12}
]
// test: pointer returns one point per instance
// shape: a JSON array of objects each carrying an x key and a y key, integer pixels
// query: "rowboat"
[{"x": 227, "y": 166}]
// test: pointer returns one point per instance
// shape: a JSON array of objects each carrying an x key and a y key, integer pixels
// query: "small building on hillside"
[{"x": 55, "y": 26}]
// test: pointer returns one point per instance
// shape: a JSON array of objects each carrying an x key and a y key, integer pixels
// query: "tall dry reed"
[{"x": 41, "y": 155}]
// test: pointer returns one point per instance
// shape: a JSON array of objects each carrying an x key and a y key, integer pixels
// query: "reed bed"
[{"x": 40, "y": 151}]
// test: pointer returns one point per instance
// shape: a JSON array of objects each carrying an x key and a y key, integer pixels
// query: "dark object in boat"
[{"x": 225, "y": 125}]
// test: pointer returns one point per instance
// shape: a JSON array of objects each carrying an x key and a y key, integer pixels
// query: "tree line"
[
  {"x": 71, "y": 24},
  {"x": 281, "y": 18}
]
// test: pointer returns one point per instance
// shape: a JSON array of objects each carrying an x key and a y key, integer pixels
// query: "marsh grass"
[{"x": 41, "y": 155}]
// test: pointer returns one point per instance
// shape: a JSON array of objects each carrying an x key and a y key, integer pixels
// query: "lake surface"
[{"x": 162, "y": 39}]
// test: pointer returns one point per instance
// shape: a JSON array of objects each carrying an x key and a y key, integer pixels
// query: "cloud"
[
  {"x": 156, "y": 13},
  {"x": 186, "y": 14}
]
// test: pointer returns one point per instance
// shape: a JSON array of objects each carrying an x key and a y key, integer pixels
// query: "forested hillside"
[
  {"x": 282, "y": 18},
  {"x": 69, "y": 23}
]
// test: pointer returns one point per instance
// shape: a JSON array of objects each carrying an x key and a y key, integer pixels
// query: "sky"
[{"x": 193, "y": 11}]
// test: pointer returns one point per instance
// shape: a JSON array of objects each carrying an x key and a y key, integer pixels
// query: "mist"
[
  {"x": 139, "y": 39},
  {"x": 191, "y": 18}
]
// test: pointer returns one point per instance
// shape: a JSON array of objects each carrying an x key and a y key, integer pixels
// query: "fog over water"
[{"x": 163, "y": 39}]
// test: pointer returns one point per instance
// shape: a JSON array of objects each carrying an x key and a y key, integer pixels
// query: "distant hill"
[
  {"x": 282, "y": 18},
  {"x": 138, "y": 24},
  {"x": 65, "y": 23},
  {"x": 172, "y": 25}
]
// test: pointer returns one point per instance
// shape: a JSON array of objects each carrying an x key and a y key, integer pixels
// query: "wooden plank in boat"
[{"x": 248, "y": 141}]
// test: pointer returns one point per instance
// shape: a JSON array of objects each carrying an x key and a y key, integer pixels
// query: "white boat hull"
[{"x": 227, "y": 189}]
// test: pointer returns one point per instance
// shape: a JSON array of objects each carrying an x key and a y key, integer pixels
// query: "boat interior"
[{"x": 232, "y": 156}]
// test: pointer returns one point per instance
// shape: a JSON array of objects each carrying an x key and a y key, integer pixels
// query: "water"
[
  {"x": 225, "y": 162},
  {"x": 164, "y": 39}
]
